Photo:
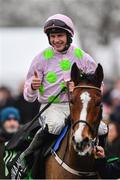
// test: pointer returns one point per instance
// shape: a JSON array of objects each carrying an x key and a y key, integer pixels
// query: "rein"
[{"x": 94, "y": 141}]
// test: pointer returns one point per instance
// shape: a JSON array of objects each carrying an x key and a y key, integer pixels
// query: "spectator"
[
  {"x": 5, "y": 97},
  {"x": 27, "y": 110},
  {"x": 107, "y": 104},
  {"x": 10, "y": 123},
  {"x": 108, "y": 162},
  {"x": 115, "y": 94}
]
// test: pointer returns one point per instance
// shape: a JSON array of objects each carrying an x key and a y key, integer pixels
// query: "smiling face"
[
  {"x": 58, "y": 41},
  {"x": 85, "y": 110}
]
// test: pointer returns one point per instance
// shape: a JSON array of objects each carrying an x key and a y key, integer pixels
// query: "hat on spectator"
[{"x": 9, "y": 113}]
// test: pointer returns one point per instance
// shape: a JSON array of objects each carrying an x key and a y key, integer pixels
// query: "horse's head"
[{"x": 85, "y": 108}]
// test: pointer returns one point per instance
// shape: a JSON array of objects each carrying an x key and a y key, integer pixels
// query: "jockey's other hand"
[
  {"x": 99, "y": 152},
  {"x": 36, "y": 82},
  {"x": 70, "y": 85}
]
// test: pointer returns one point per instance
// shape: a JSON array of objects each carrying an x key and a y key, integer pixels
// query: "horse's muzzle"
[{"x": 84, "y": 147}]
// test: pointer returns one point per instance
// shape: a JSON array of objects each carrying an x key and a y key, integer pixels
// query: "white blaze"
[{"x": 85, "y": 98}]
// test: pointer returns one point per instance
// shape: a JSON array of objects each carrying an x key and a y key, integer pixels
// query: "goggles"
[{"x": 56, "y": 23}]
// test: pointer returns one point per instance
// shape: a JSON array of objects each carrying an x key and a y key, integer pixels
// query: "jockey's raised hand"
[{"x": 36, "y": 82}]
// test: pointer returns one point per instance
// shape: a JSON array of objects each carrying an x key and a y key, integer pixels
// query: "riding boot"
[{"x": 38, "y": 140}]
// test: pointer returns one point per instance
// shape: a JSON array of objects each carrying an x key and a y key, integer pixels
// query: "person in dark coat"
[
  {"x": 108, "y": 159},
  {"x": 9, "y": 125},
  {"x": 6, "y": 98}
]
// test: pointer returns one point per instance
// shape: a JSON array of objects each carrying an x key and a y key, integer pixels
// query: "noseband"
[{"x": 84, "y": 122}]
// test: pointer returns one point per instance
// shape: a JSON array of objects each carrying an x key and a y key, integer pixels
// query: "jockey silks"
[{"x": 52, "y": 68}]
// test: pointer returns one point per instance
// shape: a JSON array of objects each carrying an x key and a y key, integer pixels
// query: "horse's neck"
[{"x": 72, "y": 158}]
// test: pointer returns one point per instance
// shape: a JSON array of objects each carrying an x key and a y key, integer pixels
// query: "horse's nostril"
[
  {"x": 78, "y": 145},
  {"x": 86, "y": 140}
]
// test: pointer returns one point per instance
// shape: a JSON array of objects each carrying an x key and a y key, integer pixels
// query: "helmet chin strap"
[
  {"x": 69, "y": 41},
  {"x": 65, "y": 49}
]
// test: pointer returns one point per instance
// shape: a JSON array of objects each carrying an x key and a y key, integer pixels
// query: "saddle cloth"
[{"x": 55, "y": 142}]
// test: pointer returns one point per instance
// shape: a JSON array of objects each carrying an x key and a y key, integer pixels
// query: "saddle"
[{"x": 55, "y": 142}]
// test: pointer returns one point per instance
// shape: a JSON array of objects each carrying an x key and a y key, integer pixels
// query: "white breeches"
[{"x": 55, "y": 116}]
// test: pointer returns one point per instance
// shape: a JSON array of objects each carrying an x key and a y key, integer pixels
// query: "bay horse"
[{"x": 75, "y": 159}]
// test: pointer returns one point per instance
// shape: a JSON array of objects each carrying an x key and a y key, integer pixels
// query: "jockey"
[{"x": 48, "y": 74}]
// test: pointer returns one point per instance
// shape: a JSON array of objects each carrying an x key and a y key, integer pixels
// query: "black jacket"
[
  {"x": 109, "y": 167},
  {"x": 2, "y": 173},
  {"x": 11, "y": 147},
  {"x": 21, "y": 137},
  {"x": 3, "y": 139}
]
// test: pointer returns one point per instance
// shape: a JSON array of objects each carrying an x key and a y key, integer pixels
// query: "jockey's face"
[
  {"x": 11, "y": 125},
  {"x": 58, "y": 41}
]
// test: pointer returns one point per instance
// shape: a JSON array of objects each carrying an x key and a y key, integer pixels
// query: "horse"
[{"x": 75, "y": 158}]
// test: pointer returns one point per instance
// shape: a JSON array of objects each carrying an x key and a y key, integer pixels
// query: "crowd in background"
[
  {"x": 27, "y": 110},
  {"x": 111, "y": 99}
]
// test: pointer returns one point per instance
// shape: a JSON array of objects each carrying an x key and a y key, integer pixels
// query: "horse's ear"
[
  {"x": 75, "y": 74},
  {"x": 99, "y": 74}
]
